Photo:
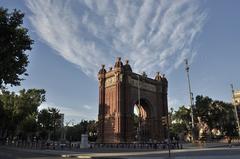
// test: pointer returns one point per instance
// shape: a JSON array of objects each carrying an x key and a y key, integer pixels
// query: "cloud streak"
[
  {"x": 87, "y": 107},
  {"x": 153, "y": 34}
]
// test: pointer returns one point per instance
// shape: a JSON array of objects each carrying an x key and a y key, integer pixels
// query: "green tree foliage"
[
  {"x": 8, "y": 118},
  {"x": 29, "y": 124},
  {"x": 2, "y": 123},
  {"x": 44, "y": 119},
  {"x": 182, "y": 115},
  {"x": 55, "y": 118},
  {"x": 217, "y": 114},
  {"x": 14, "y": 41},
  {"x": 182, "y": 121},
  {"x": 74, "y": 132},
  {"x": 28, "y": 127},
  {"x": 84, "y": 127},
  {"x": 18, "y": 108},
  {"x": 92, "y": 130},
  {"x": 27, "y": 102},
  {"x": 49, "y": 121},
  {"x": 203, "y": 108}
]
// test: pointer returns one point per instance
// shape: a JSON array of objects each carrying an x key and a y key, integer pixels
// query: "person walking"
[{"x": 229, "y": 141}]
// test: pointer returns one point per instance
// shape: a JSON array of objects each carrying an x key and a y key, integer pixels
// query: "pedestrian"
[{"x": 229, "y": 141}]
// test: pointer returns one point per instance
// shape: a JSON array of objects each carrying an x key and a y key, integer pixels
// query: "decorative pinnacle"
[
  {"x": 158, "y": 77},
  {"x": 103, "y": 66},
  {"x": 144, "y": 74},
  {"x": 119, "y": 59}
]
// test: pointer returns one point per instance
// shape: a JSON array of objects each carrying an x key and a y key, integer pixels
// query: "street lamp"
[
  {"x": 139, "y": 111},
  {"x": 191, "y": 98}
]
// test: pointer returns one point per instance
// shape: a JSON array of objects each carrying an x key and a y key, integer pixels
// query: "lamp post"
[
  {"x": 191, "y": 98},
  {"x": 139, "y": 111},
  {"x": 168, "y": 133},
  {"x": 235, "y": 110}
]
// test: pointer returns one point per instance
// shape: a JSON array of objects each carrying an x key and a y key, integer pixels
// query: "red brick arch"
[{"x": 118, "y": 93}]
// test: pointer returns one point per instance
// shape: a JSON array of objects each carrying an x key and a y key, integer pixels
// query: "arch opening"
[{"x": 141, "y": 120}]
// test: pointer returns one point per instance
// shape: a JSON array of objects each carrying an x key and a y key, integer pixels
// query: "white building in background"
[{"x": 237, "y": 97}]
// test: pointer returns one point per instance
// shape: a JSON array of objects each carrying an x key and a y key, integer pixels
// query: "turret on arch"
[{"x": 120, "y": 92}]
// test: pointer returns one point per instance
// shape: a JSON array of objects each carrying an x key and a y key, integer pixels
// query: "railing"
[
  {"x": 76, "y": 146},
  {"x": 38, "y": 145},
  {"x": 58, "y": 146},
  {"x": 136, "y": 145}
]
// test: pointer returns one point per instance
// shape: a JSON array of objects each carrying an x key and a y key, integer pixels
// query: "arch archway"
[
  {"x": 118, "y": 94},
  {"x": 142, "y": 121}
]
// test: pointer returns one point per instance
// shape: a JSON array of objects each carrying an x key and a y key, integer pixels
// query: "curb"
[{"x": 76, "y": 156}]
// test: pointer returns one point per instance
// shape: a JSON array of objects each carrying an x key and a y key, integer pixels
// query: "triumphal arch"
[{"x": 131, "y": 105}]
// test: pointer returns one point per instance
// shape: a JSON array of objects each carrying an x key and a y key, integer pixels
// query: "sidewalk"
[
  {"x": 189, "y": 157},
  {"x": 204, "y": 145},
  {"x": 208, "y": 145},
  {"x": 129, "y": 153},
  {"x": 160, "y": 154}
]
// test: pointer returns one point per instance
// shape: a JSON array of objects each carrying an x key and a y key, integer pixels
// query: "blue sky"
[{"x": 73, "y": 38}]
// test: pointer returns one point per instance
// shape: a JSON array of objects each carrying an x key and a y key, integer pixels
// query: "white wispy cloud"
[
  {"x": 87, "y": 107},
  {"x": 153, "y": 34}
]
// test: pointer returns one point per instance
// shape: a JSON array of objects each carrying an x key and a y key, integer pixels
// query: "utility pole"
[
  {"x": 235, "y": 110},
  {"x": 168, "y": 132},
  {"x": 191, "y": 98},
  {"x": 139, "y": 111},
  {"x": 166, "y": 124},
  {"x": 139, "y": 92}
]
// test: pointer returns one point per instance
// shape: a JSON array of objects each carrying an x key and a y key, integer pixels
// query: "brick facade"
[{"x": 118, "y": 93}]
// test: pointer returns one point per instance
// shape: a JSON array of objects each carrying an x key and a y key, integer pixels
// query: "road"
[
  {"x": 198, "y": 153},
  {"x": 206, "y": 153},
  {"x": 9, "y": 153}
]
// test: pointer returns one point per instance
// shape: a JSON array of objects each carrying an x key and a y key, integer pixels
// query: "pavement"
[
  {"x": 208, "y": 153},
  {"x": 190, "y": 151},
  {"x": 205, "y": 145}
]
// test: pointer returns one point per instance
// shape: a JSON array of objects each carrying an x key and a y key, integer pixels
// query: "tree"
[
  {"x": 44, "y": 122},
  {"x": 14, "y": 41},
  {"x": 92, "y": 130},
  {"x": 2, "y": 118},
  {"x": 28, "y": 127},
  {"x": 74, "y": 132},
  {"x": 209, "y": 115},
  {"x": 56, "y": 120},
  {"x": 217, "y": 114},
  {"x": 182, "y": 115},
  {"x": 27, "y": 102},
  {"x": 225, "y": 116},
  {"x": 1, "y": 113},
  {"x": 17, "y": 108},
  {"x": 181, "y": 121},
  {"x": 203, "y": 107},
  {"x": 7, "y": 128},
  {"x": 49, "y": 121}
]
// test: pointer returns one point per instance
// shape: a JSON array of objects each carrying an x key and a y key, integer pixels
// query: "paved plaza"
[
  {"x": 208, "y": 153},
  {"x": 196, "y": 152}
]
